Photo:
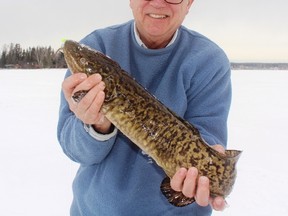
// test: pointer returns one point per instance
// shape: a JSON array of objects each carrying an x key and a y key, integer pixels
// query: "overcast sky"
[{"x": 248, "y": 30}]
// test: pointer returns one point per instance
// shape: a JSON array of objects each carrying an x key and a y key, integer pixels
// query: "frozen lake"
[{"x": 36, "y": 176}]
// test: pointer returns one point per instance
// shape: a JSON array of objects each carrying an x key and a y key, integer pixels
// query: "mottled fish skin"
[{"x": 171, "y": 141}]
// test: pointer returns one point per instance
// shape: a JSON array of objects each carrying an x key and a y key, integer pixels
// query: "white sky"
[{"x": 248, "y": 30}]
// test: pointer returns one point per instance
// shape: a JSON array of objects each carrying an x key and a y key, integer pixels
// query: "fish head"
[{"x": 83, "y": 59}]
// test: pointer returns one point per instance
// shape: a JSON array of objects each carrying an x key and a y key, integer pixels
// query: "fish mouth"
[
  {"x": 72, "y": 57},
  {"x": 72, "y": 62},
  {"x": 157, "y": 16}
]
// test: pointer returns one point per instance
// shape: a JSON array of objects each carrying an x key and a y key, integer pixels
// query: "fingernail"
[
  {"x": 218, "y": 202},
  {"x": 82, "y": 76},
  {"x": 221, "y": 205},
  {"x": 204, "y": 179},
  {"x": 98, "y": 76},
  {"x": 102, "y": 85},
  {"x": 193, "y": 171},
  {"x": 182, "y": 171}
]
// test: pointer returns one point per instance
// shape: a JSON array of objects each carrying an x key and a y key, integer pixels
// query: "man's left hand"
[{"x": 186, "y": 181}]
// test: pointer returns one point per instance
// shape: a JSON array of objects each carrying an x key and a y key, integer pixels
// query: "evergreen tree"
[
  {"x": 3, "y": 59},
  {"x": 35, "y": 57}
]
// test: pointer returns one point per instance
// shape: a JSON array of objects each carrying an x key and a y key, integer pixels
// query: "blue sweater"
[{"x": 191, "y": 77}]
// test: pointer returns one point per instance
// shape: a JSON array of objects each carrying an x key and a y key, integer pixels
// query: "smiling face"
[{"x": 157, "y": 21}]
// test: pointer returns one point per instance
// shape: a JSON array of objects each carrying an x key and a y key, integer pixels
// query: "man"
[{"x": 184, "y": 70}]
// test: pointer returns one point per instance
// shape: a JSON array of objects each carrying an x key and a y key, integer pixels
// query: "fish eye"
[{"x": 88, "y": 70}]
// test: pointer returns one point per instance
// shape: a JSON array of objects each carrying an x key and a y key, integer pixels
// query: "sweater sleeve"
[
  {"x": 76, "y": 141},
  {"x": 209, "y": 97}
]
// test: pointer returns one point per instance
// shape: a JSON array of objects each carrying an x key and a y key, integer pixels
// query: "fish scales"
[{"x": 170, "y": 140}]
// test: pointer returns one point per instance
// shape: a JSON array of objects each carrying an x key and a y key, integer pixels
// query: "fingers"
[
  {"x": 190, "y": 183},
  {"x": 88, "y": 83},
  {"x": 178, "y": 179},
  {"x": 186, "y": 181},
  {"x": 218, "y": 203},
  {"x": 70, "y": 83},
  {"x": 203, "y": 191},
  {"x": 97, "y": 104},
  {"x": 88, "y": 108}
]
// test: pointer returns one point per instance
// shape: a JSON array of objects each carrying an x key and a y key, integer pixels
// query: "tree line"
[{"x": 13, "y": 56}]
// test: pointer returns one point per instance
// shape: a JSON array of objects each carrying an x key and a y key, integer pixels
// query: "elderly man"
[{"x": 183, "y": 69}]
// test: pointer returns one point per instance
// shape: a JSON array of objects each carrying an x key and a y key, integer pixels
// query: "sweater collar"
[{"x": 140, "y": 42}]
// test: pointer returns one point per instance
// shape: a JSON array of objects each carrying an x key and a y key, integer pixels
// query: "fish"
[{"x": 171, "y": 141}]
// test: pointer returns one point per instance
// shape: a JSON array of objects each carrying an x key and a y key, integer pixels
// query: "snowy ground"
[{"x": 36, "y": 177}]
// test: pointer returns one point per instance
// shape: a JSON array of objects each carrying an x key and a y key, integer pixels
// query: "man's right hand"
[{"x": 88, "y": 110}]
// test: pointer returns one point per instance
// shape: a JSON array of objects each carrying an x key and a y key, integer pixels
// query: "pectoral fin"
[
  {"x": 174, "y": 197},
  {"x": 77, "y": 96}
]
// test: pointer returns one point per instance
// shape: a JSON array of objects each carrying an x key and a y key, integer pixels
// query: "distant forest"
[
  {"x": 259, "y": 66},
  {"x": 13, "y": 56}
]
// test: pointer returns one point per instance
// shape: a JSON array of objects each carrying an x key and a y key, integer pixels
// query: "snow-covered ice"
[{"x": 36, "y": 177}]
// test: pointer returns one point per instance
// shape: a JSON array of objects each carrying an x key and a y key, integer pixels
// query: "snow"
[{"x": 36, "y": 176}]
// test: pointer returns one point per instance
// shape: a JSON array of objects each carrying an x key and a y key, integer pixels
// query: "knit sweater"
[{"x": 191, "y": 77}]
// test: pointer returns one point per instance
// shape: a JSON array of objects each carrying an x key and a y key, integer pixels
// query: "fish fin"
[
  {"x": 79, "y": 95},
  {"x": 174, "y": 197}
]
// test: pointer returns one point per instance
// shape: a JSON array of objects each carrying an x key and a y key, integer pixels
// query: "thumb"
[{"x": 219, "y": 148}]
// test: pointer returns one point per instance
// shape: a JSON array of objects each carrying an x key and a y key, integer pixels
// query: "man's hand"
[
  {"x": 88, "y": 109},
  {"x": 186, "y": 181}
]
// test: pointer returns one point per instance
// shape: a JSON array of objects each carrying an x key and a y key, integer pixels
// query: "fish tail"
[{"x": 176, "y": 198}]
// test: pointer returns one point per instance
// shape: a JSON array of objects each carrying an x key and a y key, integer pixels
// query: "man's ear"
[{"x": 189, "y": 3}]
